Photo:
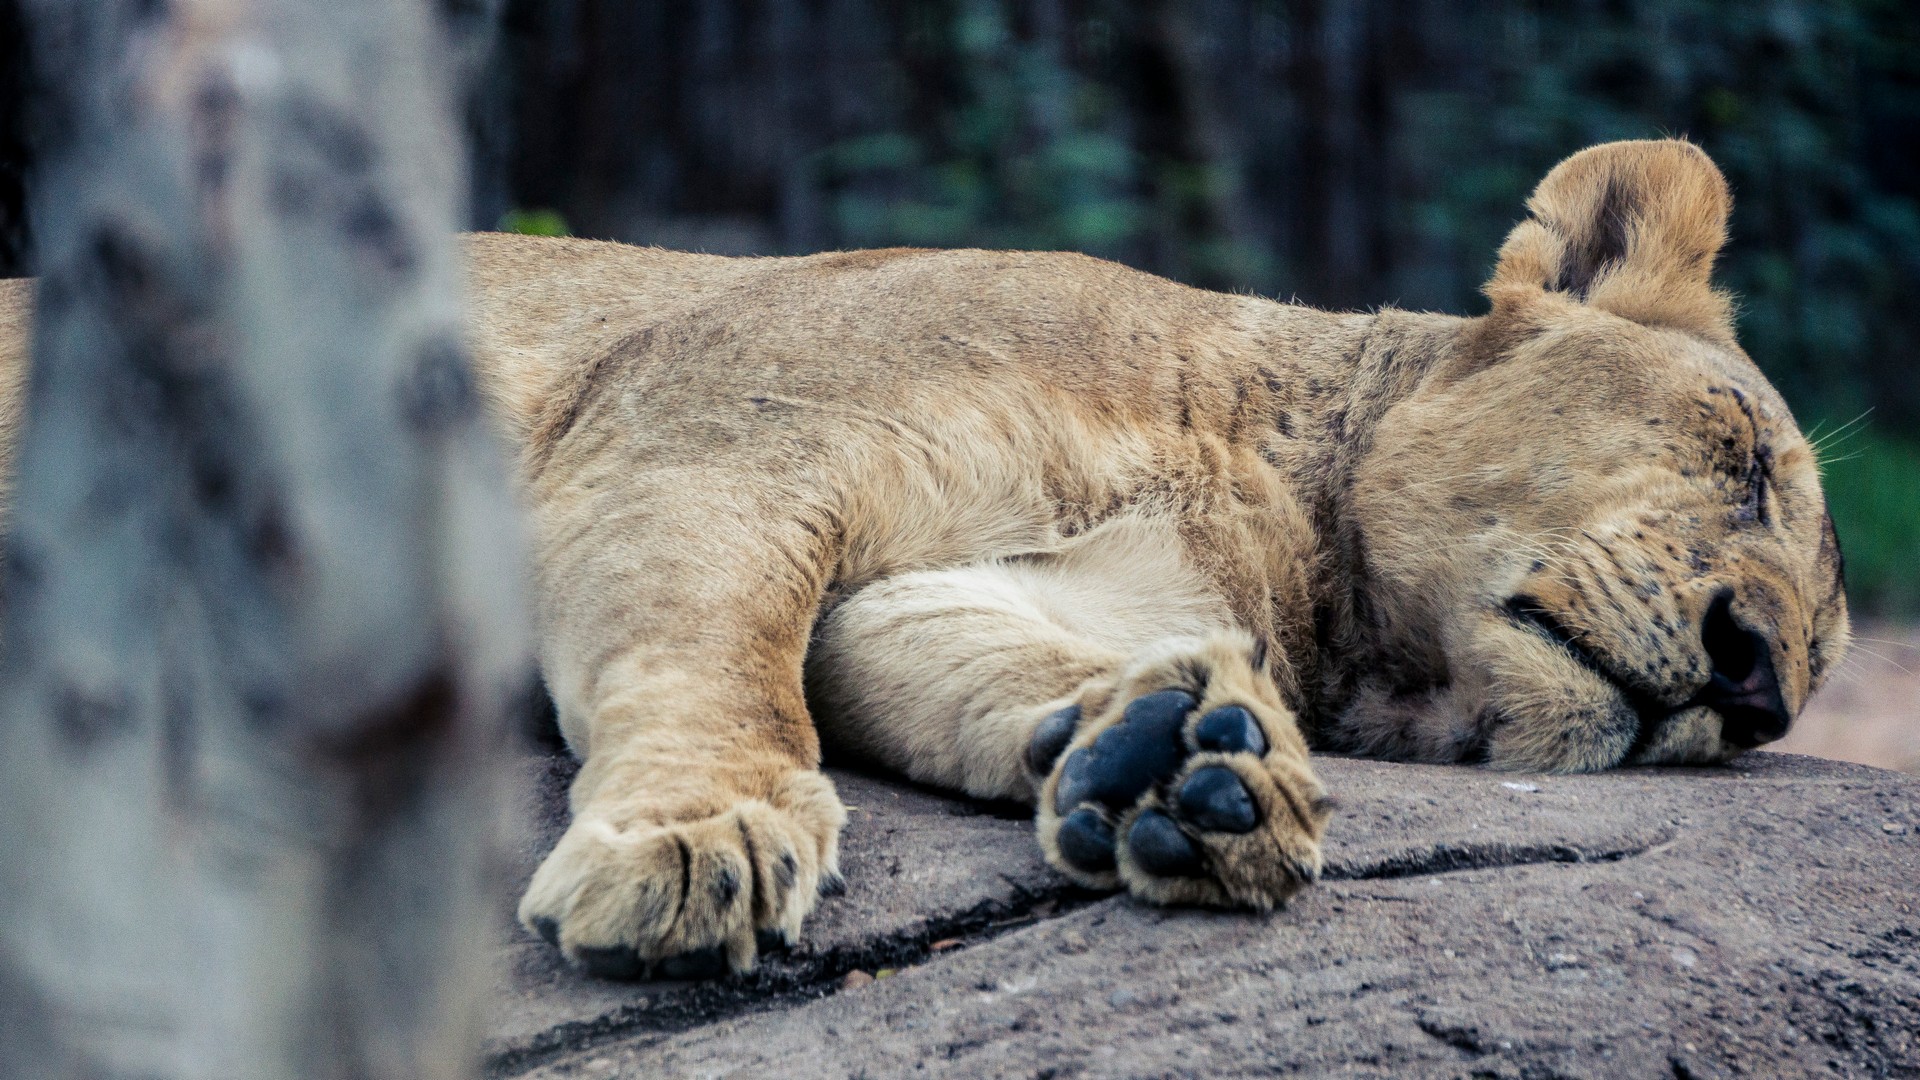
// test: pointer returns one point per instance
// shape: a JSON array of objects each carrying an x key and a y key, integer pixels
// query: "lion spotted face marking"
[{"x": 1035, "y": 526}]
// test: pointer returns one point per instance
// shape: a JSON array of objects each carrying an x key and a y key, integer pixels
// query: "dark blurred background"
[{"x": 1349, "y": 154}]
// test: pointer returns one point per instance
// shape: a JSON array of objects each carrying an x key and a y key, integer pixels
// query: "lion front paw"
[
  {"x": 632, "y": 896},
  {"x": 1185, "y": 778}
]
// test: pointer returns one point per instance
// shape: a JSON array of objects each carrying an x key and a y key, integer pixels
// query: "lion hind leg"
[
  {"x": 943, "y": 674},
  {"x": 1107, "y": 685}
]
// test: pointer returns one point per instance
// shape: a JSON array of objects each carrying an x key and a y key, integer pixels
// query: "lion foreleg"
[{"x": 673, "y": 637}]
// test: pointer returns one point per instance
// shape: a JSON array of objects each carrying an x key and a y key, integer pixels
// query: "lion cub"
[{"x": 1040, "y": 527}]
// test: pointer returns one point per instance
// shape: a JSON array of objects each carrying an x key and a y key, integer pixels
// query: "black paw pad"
[
  {"x": 769, "y": 940},
  {"x": 1161, "y": 849},
  {"x": 708, "y": 963},
  {"x": 1214, "y": 799},
  {"x": 1050, "y": 737},
  {"x": 1086, "y": 841},
  {"x": 1130, "y": 756},
  {"x": 548, "y": 930},
  {"x": 1077, "y": 781},
  {"x": 1230, "y": 729},
  {"x": 615, "y": 962}
]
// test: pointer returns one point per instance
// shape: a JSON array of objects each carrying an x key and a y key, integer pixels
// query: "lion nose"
[{"x": 1743, "y": 689}]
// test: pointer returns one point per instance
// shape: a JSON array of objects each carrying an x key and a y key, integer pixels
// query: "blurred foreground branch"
[{"x": 262, "y": 612}]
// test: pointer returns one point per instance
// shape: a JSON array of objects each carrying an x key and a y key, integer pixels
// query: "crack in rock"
[
  {"x": 795, "y": 977},
  {"x": 1457, "y": 858},
  {"x": 1462, "y": 1037},
  {"x": 790, "y": 978}
]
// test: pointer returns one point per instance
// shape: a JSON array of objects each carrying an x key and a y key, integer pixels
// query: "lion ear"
[{"x": 1628, "y": 227}]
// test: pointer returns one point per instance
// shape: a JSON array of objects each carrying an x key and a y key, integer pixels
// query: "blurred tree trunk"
[{"x": 262, "y": 613}]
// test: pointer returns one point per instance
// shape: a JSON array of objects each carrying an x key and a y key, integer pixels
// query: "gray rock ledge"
[{"x": 1761, "y": 919}]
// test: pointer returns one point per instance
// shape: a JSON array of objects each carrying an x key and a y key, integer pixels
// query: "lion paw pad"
[
  {"x": 1146, "y": 750},
  {"x": 1161, "y": 849},
  {"x": 1086, "y": 840},
  {"x": 1214, "y": 799},
  {"x": 1050, "y": 739},
  {"x": 1230, "y": 730},
  {"x": 1183, "y": 802}
]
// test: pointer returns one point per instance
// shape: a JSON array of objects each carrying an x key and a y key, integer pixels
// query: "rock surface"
[{"x": 1760, "y": 919}]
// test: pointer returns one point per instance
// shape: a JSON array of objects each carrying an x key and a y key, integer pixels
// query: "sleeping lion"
[{"x": 1040, "y": 527}]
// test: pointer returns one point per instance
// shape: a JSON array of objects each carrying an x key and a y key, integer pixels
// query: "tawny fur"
[
  {"x": 16, "y": 311},
  {"x": 925, "y": 499}
]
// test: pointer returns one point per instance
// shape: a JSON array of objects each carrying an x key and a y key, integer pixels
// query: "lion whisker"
[
  {"x": 1911, "y": 646},
  {"x": 1885, "y": 659},
  {"x": 1849, "y": 677},
  {"x": 1818, "y": 446}
]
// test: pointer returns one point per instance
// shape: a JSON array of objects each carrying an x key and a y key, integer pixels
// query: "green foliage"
[
  {"x": 1029, "y": 155},
  {"x": 537, "y": 222},
  {"x": 1873, "y": 489}
]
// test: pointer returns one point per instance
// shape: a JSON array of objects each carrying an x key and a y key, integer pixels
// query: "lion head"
[{"x": 1594, "y": 534}]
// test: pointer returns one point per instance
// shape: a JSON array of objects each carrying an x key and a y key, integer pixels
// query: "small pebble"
[
  {"x": 1120, "y": 999},
  {"x": 1893, "y": 828},
  {"x": 854, "y": 980},
  {"x": 1515, "y": 786},
  {"x": 944, "y": 944}
]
